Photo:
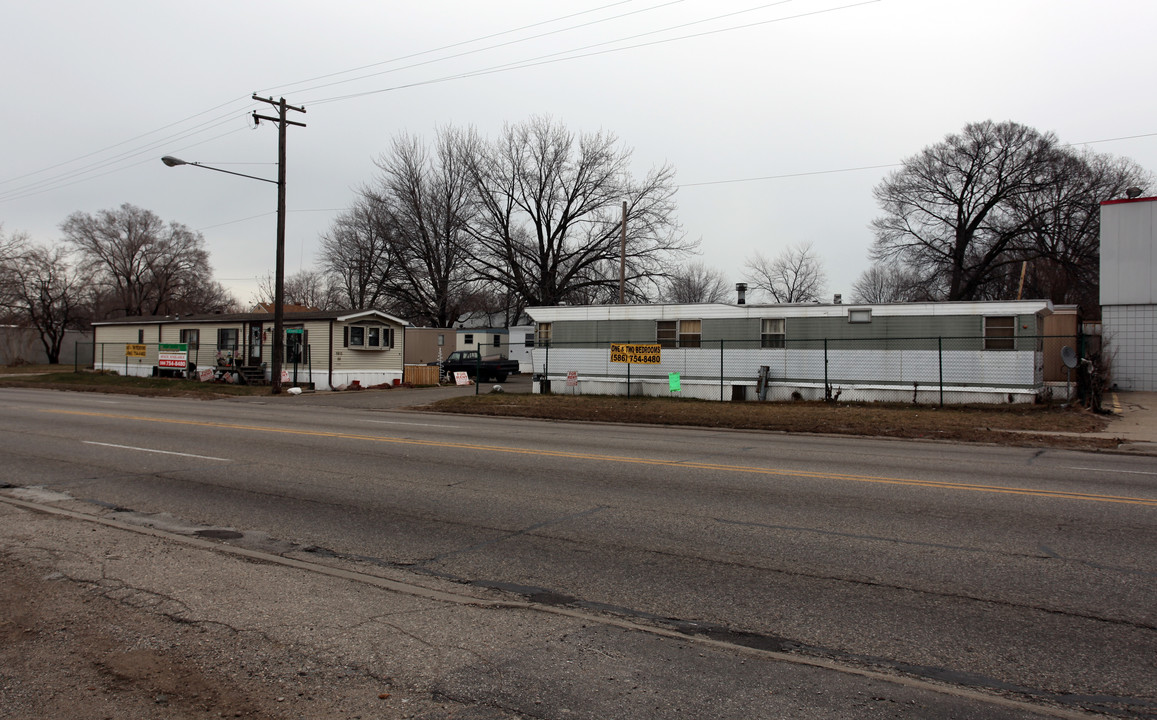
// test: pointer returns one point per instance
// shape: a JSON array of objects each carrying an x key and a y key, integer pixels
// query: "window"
[
  {"x": 542, "y": 334},
  {"x": 1000, "y": 333},
  {"x": 368, "y": 337},
  {"x": 227, "y": 340},
  {"x": 441, "y": 339},
  {"x": 497, "y": 341},
  {"x": 468, "y": 338},
  {"x": 528, "y": 340},
  {"x": 192, "y": 338},
  {"x": 690, "y": 333},
  {"x": 678, "y": 333},
  {"x": 772, "y": 332},
  {"x": 860, "y": 315},
  {"x": 140, "y": 337}
]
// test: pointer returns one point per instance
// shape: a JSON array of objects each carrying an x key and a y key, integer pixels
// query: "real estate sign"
[
  {"x": 173, "y": 355},
  {"x": 648, "y": 354}
]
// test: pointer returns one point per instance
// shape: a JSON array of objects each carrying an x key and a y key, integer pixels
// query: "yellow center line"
[{"x": 937, "y": 484}]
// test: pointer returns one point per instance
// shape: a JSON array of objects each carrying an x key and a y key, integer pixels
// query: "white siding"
[{"x": 1128, "y": 253}]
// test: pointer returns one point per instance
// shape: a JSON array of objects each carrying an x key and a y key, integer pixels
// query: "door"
[{"x": 255, "y": 336}]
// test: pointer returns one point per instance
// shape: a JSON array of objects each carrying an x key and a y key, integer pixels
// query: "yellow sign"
[
  {"x": 638, "y": 354},
  {"x": 135, "y": 351}
]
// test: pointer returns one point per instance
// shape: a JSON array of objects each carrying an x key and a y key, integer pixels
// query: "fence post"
[
  {"x": 827, "y": 387},
  {"x": 721, "y": 370},
  {"x": 628, "y": 380},
  {"x": 940, "y": 356}
]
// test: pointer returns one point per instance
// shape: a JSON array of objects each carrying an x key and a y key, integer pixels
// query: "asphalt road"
[{"x": 1022, "y": 573}]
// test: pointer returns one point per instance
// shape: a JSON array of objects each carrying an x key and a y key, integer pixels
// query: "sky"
[{"x": 779, "y": 118}]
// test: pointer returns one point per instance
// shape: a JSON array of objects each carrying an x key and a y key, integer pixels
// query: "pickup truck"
[{"x": 467, "y": 361}]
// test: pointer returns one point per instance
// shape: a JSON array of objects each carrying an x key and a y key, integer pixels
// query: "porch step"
[{"x": 251, "y": 374}]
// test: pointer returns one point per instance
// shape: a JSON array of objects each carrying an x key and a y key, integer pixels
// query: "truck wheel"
[{"x": 500, "y": 377}]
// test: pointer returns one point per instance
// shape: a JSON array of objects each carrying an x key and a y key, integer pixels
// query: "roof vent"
[
  {"x": 741, "y": 290},
  {"x": 837, "y": 299}
]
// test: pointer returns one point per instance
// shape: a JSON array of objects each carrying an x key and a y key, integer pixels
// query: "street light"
[{"x": 279, "y": 275}]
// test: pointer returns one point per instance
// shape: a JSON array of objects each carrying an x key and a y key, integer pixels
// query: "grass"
[
  {"x": 1021, "y": 425},
  {"x": 55, "y": 377}
]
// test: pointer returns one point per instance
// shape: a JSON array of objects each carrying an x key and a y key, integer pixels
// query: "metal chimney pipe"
[{"x": 741, "y": 288}]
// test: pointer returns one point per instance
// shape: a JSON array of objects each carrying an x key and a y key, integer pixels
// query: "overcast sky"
[{"x": 779, "y": 118}]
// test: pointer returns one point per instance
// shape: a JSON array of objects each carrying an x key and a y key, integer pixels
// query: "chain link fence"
[
  {"x": 243, "y": 364},
  {"x": 922, "y": 370}
]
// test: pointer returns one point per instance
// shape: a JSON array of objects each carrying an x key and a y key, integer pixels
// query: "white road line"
[
  {"x": 393, "y": 422},
  {"x": 1107, "y": 470},
  {"x": 161, "y": 452}
]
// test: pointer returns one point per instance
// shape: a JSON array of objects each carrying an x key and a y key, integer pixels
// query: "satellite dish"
[
  {"x": 1133, "y": 192},
  {"x": 1068, "y": 357}
]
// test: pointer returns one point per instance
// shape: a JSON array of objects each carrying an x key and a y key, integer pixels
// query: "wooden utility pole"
[
  {"x": 623, "y": 257},
  {"x": 279, "y": 272}
]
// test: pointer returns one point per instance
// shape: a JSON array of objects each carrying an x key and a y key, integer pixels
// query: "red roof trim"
[{"x": 1128, "y": 200}]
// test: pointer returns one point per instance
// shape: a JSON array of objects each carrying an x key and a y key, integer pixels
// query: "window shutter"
[{"x": 345, "y": 336}]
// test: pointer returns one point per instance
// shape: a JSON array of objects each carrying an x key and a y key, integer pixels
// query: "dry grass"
[
  {"x": 1023, "y": 425},
  {"x": 1029, "y": 425},
  {"x": 57, "y": 378}
]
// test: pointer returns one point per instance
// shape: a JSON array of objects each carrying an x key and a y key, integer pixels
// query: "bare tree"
[
  {"x": 50, "y": 294},
  {"x": 13, "y": 247},
  {"x": 547, "y": 215},
  {"x": 142, "y": 265},
  {"x": 1061, "y": 248},
  {"x": 425, "y": 195},
  {"x": 307, "y": 288},
  {"x": 696, "y": 283},
  {"x": 357, "y": 252},
  {"x": 888, "y": 283},
  {"x": 950, "y": 212},
  {"x": 795, "y": 275}
]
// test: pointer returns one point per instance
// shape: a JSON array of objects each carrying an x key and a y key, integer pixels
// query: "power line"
[
  {"x": 552, "y": 58},
  {"x": 470, "y": 42},
  {"x": 788, "y": 175},
  {"x": 40, "y": 186}
]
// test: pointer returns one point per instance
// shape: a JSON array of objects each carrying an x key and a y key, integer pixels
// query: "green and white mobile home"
[{"x": 923, "y": 352}]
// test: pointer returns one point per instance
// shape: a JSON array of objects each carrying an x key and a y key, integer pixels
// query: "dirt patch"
[
  {"x": 69, "y": 653},
  {"x": 1022, "y": 425},
  {"x": 72, "y": 650}
]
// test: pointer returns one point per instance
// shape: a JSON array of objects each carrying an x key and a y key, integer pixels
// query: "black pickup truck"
[{"x": 486, "y": 369}]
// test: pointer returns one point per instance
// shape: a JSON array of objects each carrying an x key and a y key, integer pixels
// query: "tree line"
[
  {"x": 464, "y": 226},
  {"x": 114, "y": 263}
]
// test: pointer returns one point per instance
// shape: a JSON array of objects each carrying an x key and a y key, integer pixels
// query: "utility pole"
[
  {"x": 623, "y": 257},
  {"x": 279, "y": 272}
]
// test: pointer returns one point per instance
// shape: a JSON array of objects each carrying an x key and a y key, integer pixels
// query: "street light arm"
[{"x": 173, "y": 162}]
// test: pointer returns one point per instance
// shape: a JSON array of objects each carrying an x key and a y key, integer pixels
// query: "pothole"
[{"x": 219, "y": 534}]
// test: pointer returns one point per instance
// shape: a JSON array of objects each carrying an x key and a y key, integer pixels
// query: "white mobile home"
[{"x": 920, "y": 352}]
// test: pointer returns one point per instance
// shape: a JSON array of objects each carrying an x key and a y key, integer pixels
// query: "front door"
[{"x": 255, "y": 336}]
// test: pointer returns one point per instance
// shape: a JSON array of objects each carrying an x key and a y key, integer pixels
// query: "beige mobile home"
[{"x": 326, "y": 349}]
